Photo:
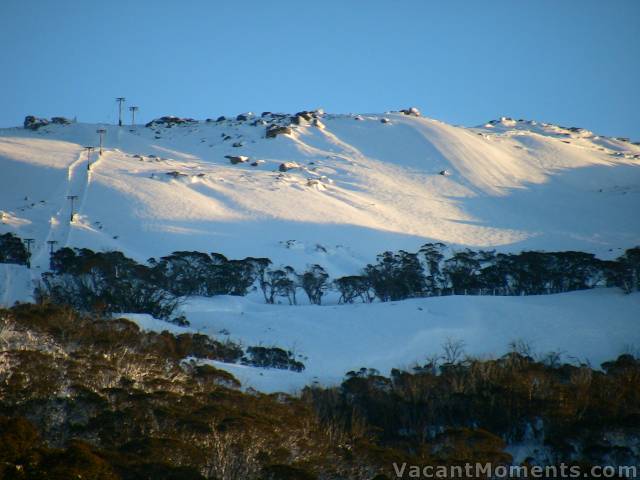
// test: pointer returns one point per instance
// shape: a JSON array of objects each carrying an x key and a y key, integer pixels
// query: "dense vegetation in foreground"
[{"x": 90, "y": 397}]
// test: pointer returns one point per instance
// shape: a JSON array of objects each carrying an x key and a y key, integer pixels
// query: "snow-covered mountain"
[{"x": 319, "y": 188}]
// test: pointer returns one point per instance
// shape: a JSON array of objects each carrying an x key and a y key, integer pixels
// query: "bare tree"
[{"x": 453, "y": 350}]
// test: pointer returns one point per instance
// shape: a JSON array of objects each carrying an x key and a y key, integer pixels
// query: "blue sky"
[{"x": 575, "y": 63}]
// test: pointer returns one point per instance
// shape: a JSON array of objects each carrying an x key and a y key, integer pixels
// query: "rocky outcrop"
[
  {"x": 169, "y": 121},
  {"x": 274, "y": 130},
  {"x": 34, "y": 123},
  {"x": 299, "y": 120},
  {"x": 61, "y": 120},
  {"x": 413, "y": 111}
]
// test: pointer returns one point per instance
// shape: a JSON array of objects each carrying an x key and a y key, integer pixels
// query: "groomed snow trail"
[{"x": 60, "y": 224}]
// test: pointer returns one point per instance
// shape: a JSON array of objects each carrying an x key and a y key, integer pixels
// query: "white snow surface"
[
  {"x": 582, "y": 327},
  {"x": 360, "y": 187}
]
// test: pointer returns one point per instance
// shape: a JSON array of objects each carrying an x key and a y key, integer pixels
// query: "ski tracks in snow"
[{"x": 60, "y": 224}]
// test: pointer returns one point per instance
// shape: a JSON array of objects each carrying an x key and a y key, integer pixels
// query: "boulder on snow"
[
  {"x": 274, "y": 130},
  {"x": 305, "y": 116},
  {"x": 504, "y": 121},
  {"x": 236, "y": 159},
  {"x": 176, "y": 174},
  {"x": 243, "y": 117},
  {"x": 34, "y": 123},
  {"x": 413, "y": 111},
  {"x": 508, "y": 121},
  {"x": 315, "y": 183},
  {"x": 445, "y": 173},
  {"x": 257, "y": 162},
  {"x": 385, "y": 120},
  {"x": 286, "y": 166}
]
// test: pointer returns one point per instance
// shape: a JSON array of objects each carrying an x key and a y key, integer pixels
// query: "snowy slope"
[
  {"x": 588, "y": 326},
  {"x": 378, "y": 187},
  {"x": 362, "y": 186}
]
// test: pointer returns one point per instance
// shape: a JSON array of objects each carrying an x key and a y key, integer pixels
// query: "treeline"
[
  {"x": 401, "y": 275},
  {"x": 107, "y": 401},
  {"x": 12, "y": 250},
  {"x": 105, "y": 283},
  {"x": 109, "y": 282}
]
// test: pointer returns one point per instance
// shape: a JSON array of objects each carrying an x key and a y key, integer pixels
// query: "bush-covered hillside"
[{"x": 89, "y": 397}]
